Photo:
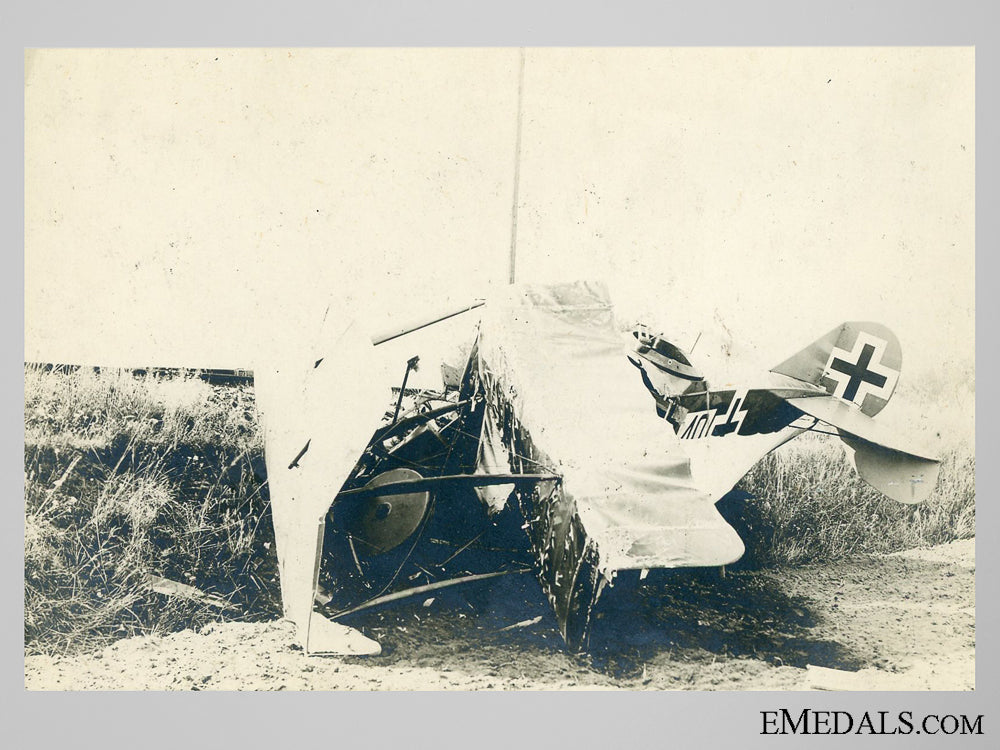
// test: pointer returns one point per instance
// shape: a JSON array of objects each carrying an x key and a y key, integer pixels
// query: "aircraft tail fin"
[{"x": 856, "y": 362}]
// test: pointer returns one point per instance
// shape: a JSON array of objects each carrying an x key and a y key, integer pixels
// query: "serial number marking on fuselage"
[{"x": 720, "y": 421}]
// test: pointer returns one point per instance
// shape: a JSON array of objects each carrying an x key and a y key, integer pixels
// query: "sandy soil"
[{"x": 905, "y": 621}]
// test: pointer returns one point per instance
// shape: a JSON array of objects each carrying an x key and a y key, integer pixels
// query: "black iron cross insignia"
[{"x": 858, "y": 372}]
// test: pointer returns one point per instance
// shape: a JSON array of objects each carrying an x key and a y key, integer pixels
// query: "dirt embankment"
[{"x": 904, "y": 621}]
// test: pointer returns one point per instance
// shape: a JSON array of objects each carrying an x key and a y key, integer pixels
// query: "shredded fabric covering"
[{"x": 565, "y": 399}]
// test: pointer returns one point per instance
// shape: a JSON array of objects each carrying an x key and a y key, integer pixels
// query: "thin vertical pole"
[{"x": 517, "y": 168}]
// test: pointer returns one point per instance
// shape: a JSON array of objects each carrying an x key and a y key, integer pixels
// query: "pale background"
[
  {"x": 193, "y": 207},
  {"x": 639, "y": 716}
]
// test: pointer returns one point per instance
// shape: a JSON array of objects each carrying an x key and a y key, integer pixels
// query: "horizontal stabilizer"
[
  {"x": 893, "y": 470},
  {"x": 902, "y": 476}
]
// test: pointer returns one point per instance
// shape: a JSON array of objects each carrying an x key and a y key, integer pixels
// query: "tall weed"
[{"x": 131, "y": 477}]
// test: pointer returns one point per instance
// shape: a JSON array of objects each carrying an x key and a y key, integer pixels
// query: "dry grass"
[{"x": 127, "y": 477}]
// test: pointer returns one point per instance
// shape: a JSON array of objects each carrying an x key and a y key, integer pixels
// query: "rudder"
[{"x": 856, "y": 362}]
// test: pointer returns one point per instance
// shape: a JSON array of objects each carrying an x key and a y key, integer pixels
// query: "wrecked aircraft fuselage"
[{"x": 551, "y": 442}]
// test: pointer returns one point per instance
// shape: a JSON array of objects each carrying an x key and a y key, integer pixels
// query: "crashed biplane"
[{"x": 595, "y": 451}]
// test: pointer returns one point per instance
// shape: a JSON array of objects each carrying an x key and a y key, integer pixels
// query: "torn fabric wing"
[
  {"x": 319, "y": 403},
  {"x": 554, "y": 354},
  {"x": 553, "y": 371},
  {"x": 493, "y": 458}
]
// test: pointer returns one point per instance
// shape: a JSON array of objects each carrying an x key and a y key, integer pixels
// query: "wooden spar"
[
  {"x": 411, "y": 364},
  {"x": 517, "y": 168},
  {"x": 407, "y": 486},
  {"x": 406, "y": 593},
  {"x": 423, "y": 323},
  {"x": 416, "y": 419}
]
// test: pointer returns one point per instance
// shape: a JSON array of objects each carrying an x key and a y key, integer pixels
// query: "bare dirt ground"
[{"x": 905, "y": 621}]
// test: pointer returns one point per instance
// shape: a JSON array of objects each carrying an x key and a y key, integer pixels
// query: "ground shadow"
[
  {"x": 506, "y": 627},
  {"x": 745, "y": 614}
]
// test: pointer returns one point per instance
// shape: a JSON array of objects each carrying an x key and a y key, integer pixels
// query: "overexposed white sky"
[{"x": 192, "y": 207}]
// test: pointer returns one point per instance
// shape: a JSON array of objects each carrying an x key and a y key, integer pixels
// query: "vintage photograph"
[{"x": 500, "y": 369}]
